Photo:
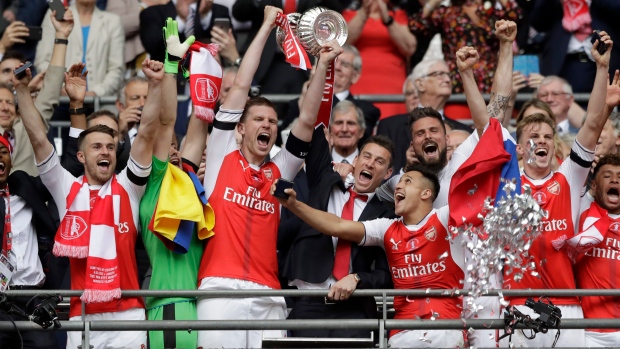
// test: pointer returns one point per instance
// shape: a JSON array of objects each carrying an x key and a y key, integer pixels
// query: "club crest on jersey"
[
  {"x": 554, "y": 188},
  {"x": 540, "y": 197},
  {"x": 412, "y": 244},
  {"x": 268, "y": 173},
  {"x": 615, "y": 227},
  {"x": 430, "y": 234},
  {"x": 73, "y": 228}
]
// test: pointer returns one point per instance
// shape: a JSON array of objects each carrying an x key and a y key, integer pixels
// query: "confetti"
[
  {"x": 443, "y": 255},
  {"x": 434, "y": 315},
  {"x": 531, "y": 151}
]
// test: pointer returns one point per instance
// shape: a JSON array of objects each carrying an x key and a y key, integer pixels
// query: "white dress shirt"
[
  {"x": 338, "y": 158},
  {"x": 24, "y": 255}
]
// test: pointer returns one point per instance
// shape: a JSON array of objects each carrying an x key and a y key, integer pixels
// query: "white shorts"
[
  {"x": 111, "y": 339},
  {"x": 486, "y": 338},
  {"x": 603, "y": 339},
  {"x": 428, "y": 339},
  {"x": 264, "y": 308},
  {"x": 568, "y": 338}
]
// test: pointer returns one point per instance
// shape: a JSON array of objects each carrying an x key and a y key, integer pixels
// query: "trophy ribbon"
[
  {"x": 325, "y": 109},
  {"x": 293, "y": 51}
]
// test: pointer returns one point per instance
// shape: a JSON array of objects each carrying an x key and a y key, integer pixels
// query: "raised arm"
[
  {"x": 466, "y": 58},
  {"x": 142, "y": 147},
  {"x": 501, "y": 89},
  {"x": 304, "y": 127},
  {"x": 400, "y": 34},
  {"x": 324, "y": 222},
  {"x": 243, "y": 81},
  {"x": 595, "y": 115},
  {"x": 31, "y": 118}
]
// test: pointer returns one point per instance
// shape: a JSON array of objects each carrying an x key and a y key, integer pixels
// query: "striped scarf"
[{"x": 88, "y": 231}]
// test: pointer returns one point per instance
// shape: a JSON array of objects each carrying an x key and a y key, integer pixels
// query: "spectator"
[
  {"x": 609, "y": 141},
  {"x": 31, "y": 13},
  {"x": 9, "y": 61},
  {"x": 15, "y": 33},
  {"x": 414, "y": 198},
  {"x": 455, "y": 138},
  {"x": 385, "y": 44},
  {"x": 98, "y": 44},
  {"x": 27, "y": 219},
  {"x": 341, "y": 267},
  {"x": 130, "y": 101},
  {"x": 274, "y": 75},
  {"x": 594, "y": 269},
  {"x": 558, "y": 94},
  {"x": 565, "y": 51},
  {"x": 560, "y": 201},
  {"x": 153, "y": 18},
  {"x": 465, "y": 23},
  {"x": 433, "y": 81},
  {"x": 396, "y": 127},
  {"x": 97, "y": 147},
  {"x": 129, "y": 12},
  {"x": 245, "y": 258},
  {"x": 346, "y": 128}
]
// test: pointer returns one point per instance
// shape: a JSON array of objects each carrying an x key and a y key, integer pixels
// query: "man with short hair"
[
  {"x": 558, "y": 94},
  {"x": 455, "y": 139},
  {"x": 100, "y": 210},
  {"x": 596, "y": 267},
  {"x": 339, "y": 266},
  {"x": 242, "y": 253},
  {"x": 346, "y": 128},
  {"x": 129, "y": 102},
  {"x": 415, "y": 246},
  {"x": 558, "y": 194}
]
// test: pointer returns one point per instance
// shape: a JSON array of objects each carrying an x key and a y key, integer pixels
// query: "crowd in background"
[{"x": 247, "y": 238}]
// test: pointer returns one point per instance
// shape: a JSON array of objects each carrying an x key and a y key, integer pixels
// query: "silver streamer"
[
  {"x": 530, "y": 150},
  {"x": 502, "y": 242}
]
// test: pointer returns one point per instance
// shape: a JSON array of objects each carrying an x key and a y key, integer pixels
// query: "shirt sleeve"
[
  {"x": 386, "y": 191},
  {"x": 57, "y": 180},
  {"x": 134, "y": 178},
  {"x": 575, "y": 169},
  {"x": 375, "y": 231},
  {"x": 221, "y": 143}
]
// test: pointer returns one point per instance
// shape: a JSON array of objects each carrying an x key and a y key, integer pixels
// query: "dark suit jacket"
[
  {"x": 546, "y": 16},
  {"x": 45, "y": 221},
  {"x": 371, "y": 113},
  {"x": 253, "y": 10},
  {"x": 153, "y": 18},
  {"x": 455, "y": 125},
  {"x": 311, "y": 256},
  {"x": 397, "y": 129}
]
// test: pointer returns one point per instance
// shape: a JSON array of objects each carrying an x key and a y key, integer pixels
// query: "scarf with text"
[
  {"x": 205, "y": 79},
  {"x": 577, "y": 19},
  {"x": 293, "y": 51}
]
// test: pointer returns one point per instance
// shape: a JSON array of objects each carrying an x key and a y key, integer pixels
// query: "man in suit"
[
  {"x": 274, "y": 74},
  {"x": 27, "y": 220},
  {"x": 153, "y": 18},
  {"x": 346, "y": 129},
  {"x": 567, "y": 53},
  {"x": 348, "y": 69},
  {"x": 558, "y": 94},
  {"x": 316, "y": 261},
  {"x": 396, "y": 127}
]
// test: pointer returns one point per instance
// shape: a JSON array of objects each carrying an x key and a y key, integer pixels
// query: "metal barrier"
[{"x": 381, "y": 324}]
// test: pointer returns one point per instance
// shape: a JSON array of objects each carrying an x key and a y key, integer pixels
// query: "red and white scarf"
[
  {"x": 205, "y": 79},
  {"x": 591, "y": 232},
  {"x": 88, "y": 231},
  {"x": 577, "y": 19},
  {"x": 293, "y": 51}
]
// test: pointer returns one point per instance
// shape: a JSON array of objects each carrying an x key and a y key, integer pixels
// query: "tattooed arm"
[{"x": 506, "y": 31}]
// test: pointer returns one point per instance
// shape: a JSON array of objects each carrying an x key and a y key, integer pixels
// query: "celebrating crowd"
[{"x": 127, "y": 202}]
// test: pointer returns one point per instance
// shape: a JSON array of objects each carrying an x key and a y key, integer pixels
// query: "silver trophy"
[{"x": 314, "y": 28}]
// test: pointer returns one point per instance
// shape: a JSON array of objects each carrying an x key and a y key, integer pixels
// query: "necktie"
[
  {"x": 289, "y": 6},
  {"x": 189, "y": 23},
  {"x": 343, "y": 248},
  {"x": 8, "y": 236}
]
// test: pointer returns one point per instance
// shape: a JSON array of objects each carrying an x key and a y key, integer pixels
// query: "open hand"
[
  {"x": 613, "y": 92},
  {"x": 75, "y": 82}
]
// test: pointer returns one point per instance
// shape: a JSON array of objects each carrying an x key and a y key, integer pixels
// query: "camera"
[{"x": 550, "y": 315}]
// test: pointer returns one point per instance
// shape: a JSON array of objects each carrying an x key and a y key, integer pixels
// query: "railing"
[{"x": 382, "y": 324}]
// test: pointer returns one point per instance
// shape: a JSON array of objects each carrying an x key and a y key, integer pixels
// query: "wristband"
[
  {"x": 171, "y": 67},
  {"x": 388, "y": 22},
  {"x": 61, "y": 42},
  {"x": 77, "y": 111}
]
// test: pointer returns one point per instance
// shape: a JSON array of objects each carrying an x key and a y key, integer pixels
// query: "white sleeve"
[
  {"x": 576, "y": 175},
  {"x": 221, "y": 143},
  {"x": 287, "y": 163},
  {"x": 57, "y": 180},
  {"x": 443, "y": 213},
  {"x": 386, "y": 191},
  {"x": 375, "y": 231},
  {"x": 135, "y": 190},
  {"x": 461, "y": 154}
]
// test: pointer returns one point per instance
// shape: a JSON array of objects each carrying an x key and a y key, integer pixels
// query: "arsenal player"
[
  {"x": 419, "y": 254},
  {"x": 558, "y": 193}
]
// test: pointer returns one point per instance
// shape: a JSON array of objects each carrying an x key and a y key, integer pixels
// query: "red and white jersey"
[
  {"x": 599, "y": 269},
  {"x": 559, "y": 194},
  {"x": 420, "y": 257},
  {"x": 58, "y": 181},
  {"x": 246, "y": 214}
]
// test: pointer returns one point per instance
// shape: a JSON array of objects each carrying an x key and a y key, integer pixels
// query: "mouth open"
[
  {"x": 2, "y": 168},
  {"x": 175, "y": 160},
  {"x": 431, "y": 149},
  {"x": 365, "y": 177},
  {"x": 398, "y": 197},
  {"x": 613, "y": 195},
  {"x": 541, "y": 153},
  {"x": 263, "y": 139},
  {"x": 103, "y": 165}
]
